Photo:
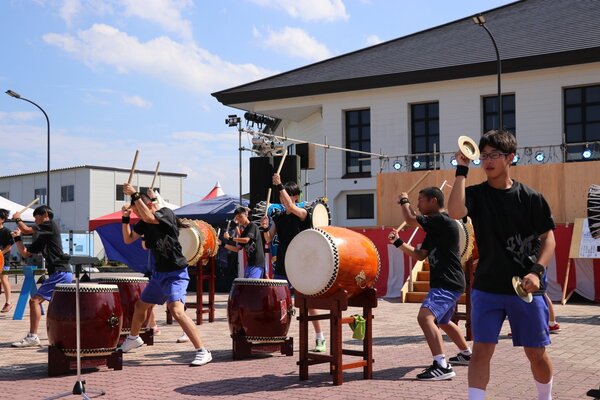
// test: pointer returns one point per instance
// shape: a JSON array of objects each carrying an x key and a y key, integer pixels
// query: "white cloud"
[
  {"x": 309, "y": 10},
  {"x": 69, "y": 10},
  {"x": 184, "y": 65},
  {"x": 19, "y": 115},
  {"x": 372, "y": 40},
  {"x": 295, "y": 42},
  {"x": 137, "y": 101},
  {"x": 166, "y": 13}
]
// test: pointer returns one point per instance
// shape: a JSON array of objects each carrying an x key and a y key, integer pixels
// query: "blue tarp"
[{"x": 215, "y": 211}]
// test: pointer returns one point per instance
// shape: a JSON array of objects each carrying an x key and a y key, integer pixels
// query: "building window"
[
  {"x": 582, "y": 122},
  {"x": 490, "y": 113},
  {"x": 6, "y": 195},
  {"x": 67, "y": 193},
  {"x": 358, "y": 137},
  {"x": 41, "y": 194},
  {"x": 425, "y": 134},
  {"x": 360, "y": 206}
]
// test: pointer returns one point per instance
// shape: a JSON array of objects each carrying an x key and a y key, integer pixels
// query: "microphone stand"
[{"x": 79, "y": 387}]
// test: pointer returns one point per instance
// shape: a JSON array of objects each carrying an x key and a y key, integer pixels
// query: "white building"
[
  {"x": 417, "y": 94},
  {"x": 81, "y": 193}
]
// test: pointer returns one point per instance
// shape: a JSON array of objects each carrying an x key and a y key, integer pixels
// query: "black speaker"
[
  {"x": 306, "y": 152},
  {"x": 261, "y": 176}
]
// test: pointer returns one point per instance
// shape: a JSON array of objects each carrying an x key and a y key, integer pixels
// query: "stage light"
[
  {"x": 540, "y": 156},
  {"x": 233, "y": 120},
  {"x": 416, "y": 164},
  {"x": 454, "y": 162},
  {"x": 397, "y": 165},
  {"x": 477, "y": 162},
  {"x": 587, "y": 153}
]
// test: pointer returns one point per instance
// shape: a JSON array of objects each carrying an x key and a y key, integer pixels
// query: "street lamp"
[
  {"x": 480, "y": 20},
  {"x": 18, "y": 96}
]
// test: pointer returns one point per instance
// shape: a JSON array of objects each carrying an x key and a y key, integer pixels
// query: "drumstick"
[
  {"x": 137, "y": 152},
  {"x": 155, "y": 174},
  {"x": 421, "y": 179},
  {"x": 270, "y": 189},
  {"x": 29, "y": 205}
]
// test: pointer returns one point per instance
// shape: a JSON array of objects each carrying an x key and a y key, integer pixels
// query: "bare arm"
[
  {"x": 144, "y": 212},
  {"x": 287, "y": 201},
  {"x": 456, "y": 201},
  {"x": 129, "y": 235},
  {"x": 419, "y": 254},
  {"x": 410, "y": 216},
  {"x": 23, "y": 227},
  {"x": 20, "y": 246},
  {"x": 531, "y": 281}
]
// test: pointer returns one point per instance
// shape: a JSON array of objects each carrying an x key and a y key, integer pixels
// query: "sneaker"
[
  {"x": 7, "y": 307},
  {"x": 436, "y": 373},
  {"x": 27, "y": 341},
  {"x": 130, "y": 344},
  {"x": 460, "y": 359},
  {"x": 203, "y": 356},
  {"x": 183, "y": 338},
  {"x": 554, "y": 328},
  {"x": 320, "y": 347}
]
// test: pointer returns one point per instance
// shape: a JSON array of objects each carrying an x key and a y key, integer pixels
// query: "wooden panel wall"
[{"x": 563, "y": 185}]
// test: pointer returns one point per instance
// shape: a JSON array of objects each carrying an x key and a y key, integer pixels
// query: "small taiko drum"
[
  {"x": 321, "y": 261},
  {"x": 198, "y": 241},
  {"x": 130, "y": 290},
  {"x": 259, "y": 309},
  {"x": 318, "y": 213},
  {"x": 100, "y": 319}
]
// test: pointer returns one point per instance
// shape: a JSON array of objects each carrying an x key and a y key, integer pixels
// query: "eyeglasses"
[{"x": 492, "y": 156}]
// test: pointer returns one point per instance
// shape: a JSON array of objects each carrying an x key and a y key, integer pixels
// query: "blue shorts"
[
  {"x": 166, "y": 286},
  {"x": 528, "y": 321},
  {"x": 45, "y": 291},
  {"x": 254, "y": 272},
  {"x": 441, "y": 303}
]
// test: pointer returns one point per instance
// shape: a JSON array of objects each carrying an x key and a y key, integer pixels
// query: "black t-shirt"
[
  {"x": 48, "y": 242},
  {"x": 287, "y": 226},
  {"x": 163, "y": 240},
  {"x": 5, "y": 240},
  {"x": 254, "y": 248},
  {"x": 507, "y": 223},
  {"x": 442, "y": 243}
]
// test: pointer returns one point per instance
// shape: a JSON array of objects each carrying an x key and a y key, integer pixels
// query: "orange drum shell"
[
  {"x": 130, "y": 291},
  {"x": 259, "y": 312},
  {"x": 208, "y": 240},
  {"x": 97, "y": 312}
]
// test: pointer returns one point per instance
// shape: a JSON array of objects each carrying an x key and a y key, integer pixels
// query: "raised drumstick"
[
  {"x": 403, "y": 224},
  {"x": 137, "y": 152},
  {"x": 155, "y": 175},
  {"x": 270, "y": 189},
  {"x": 29, "y": 205}
]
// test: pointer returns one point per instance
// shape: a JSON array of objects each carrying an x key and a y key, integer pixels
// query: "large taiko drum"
[
  {"x": 130, "y": 290},
  {"x": 198, "y": 241},
  {"x": 100, "y": 316},
  {"x": 259, "y": 309},
  {"x": 320, "y": 261}
]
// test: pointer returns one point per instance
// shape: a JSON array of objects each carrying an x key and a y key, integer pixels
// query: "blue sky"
[{"x": 119, "y": 75}]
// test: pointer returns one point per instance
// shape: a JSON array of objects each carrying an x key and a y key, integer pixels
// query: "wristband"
[
  {"x": 398, "y": 242},
  {"x": 125, "y": 220},
  {"x": 403, "y": 201},
  {"x": 462, "y": 170},
  {"x": 17, "y": 220},
  {"x": 280, "y": 187},
  {"x": 135, "y": 196},
  {"x": 538, "y": 269},
  {"x": 17, "y": 238}
]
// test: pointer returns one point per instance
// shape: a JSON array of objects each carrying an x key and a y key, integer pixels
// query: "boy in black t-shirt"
[
  {"x": 170, "y": 276},
  {"x": 47, "y": 241},
  {"x": 6, "y": 242},
  {"x": 447, "y": 279},
  {"x": 514, "y": 231},
  {"x": 251, "y": 240}
]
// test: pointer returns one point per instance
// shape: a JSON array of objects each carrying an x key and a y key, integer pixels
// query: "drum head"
[
  {"x": 311, "y": 261},
  {"x": 190, "y": 242},
  {"x": 320, "y": 215}
]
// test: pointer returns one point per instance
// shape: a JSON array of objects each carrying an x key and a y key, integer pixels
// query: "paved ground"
[{"x": 161, "y": 371}]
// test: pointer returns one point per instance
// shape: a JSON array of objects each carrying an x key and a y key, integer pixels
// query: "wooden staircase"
[{"x": 420, "y": 276}]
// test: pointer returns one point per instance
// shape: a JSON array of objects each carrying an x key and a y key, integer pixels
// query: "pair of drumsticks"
[{"x": 135, "y": 158}]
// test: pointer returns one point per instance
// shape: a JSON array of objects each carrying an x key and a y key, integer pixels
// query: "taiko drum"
[{"x": 130, "y": 291}]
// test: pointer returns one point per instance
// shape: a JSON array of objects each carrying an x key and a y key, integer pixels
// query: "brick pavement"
[{"x": 400, "y": 352}]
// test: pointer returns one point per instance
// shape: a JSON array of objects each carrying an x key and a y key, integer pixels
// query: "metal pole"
[
  {"x": 325, "y": 169},
  {"x": 240, "y": 156},
  {"x": 501, "y": 126}
]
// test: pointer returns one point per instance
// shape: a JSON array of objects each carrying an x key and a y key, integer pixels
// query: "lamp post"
[
  {"x": 480, "y": 20},
  {"x": 18, "y": 96}
]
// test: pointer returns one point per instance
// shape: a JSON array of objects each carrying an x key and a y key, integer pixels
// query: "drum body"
[
  {"x": 321, "y": 261},
  {"x": 259, "y": 309},
  {"x": 593, "y": 210},
  {"x": 100, "y": 316},
  {"x": 130, "y": 291},
  {"x": 198, "y": 241}
]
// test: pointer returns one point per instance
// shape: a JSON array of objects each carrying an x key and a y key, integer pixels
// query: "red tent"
[
  {"x": 114, "y": 218},
  {"x": 215, "y": 192}
]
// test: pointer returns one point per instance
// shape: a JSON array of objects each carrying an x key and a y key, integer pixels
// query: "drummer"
[
  {"x": 170, "y": 276},
  {"x": 249, "y": 238},
  {"x": 447, "y": 279},
  {"x": 286, "y": 225},
  {"x": 48, "y": 243}
]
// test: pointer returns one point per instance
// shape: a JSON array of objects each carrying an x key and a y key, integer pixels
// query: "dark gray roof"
[{"x": 531, "y": 34}]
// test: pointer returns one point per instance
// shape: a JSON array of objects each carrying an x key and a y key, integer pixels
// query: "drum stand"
[
  {"x": 79, "y": 387},
  {"x": 335, "y": 304}
]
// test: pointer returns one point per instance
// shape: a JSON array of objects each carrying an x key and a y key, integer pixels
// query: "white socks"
[
  {"x": 544, "y": 390},
  {"x": 476, "y": 394},
  {"x": 441, "y": 360},
  {"x": 467, "y": 351},
  {"x": 319, "y": 336}
]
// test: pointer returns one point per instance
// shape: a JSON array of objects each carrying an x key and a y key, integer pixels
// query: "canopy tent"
[
  {"x": 13, "y": 207},
  {"x": 215, "y": 211},
  {"x": 215, "y": 192}
]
